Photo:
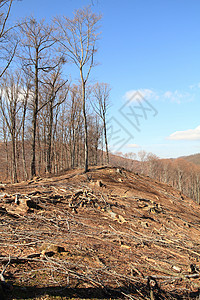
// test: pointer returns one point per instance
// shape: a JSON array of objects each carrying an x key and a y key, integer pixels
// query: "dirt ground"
[{"x": 107, "y": 234}]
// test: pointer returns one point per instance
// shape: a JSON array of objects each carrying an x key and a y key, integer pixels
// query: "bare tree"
[
  {"x": 26, "y": 95},
  {"x": 5, "y": 137},
  {"x": 78, "y": 37},
  {"x": 62, "y": 139},
  {"x": 101, "y": 94},
  {"x": 8, "y": 43},
  {"x": 74, "y": 106},
  {"x": 36, "y": 59},
  {"x": 142, "y": 154},
  {"x": 97, "y": 138},
  {"x": 10, "y": 105},
  {"x": 55, "y": 93}
]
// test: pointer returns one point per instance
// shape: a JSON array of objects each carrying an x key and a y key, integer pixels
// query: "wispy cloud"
[
  {"x": 177, "y": 96},
  {"x": 133, "y": 146},
  {"x": 147, "y": 94},
  {"x": 195, "y": 86},
  {"x": 187, "y": 135},
  {"x": 172, "y": 96}
]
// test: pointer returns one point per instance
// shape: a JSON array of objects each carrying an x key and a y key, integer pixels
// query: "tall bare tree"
[
  {"x": 101, "y": 94},
  {"x": 74, "y": 106},
  {"x": 26, "y": 96},
  {"x": 55, "y": 93},
  {"x": 78, "y": 37},
  {"x": 36, "y": 59}
]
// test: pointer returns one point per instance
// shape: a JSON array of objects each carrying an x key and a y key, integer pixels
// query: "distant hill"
[{"x": 195, "y": 158}]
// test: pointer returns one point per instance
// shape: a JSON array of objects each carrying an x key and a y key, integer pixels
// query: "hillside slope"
[
  {"x": 195, "y": 158},
  {"x": 109, "y": 234}
]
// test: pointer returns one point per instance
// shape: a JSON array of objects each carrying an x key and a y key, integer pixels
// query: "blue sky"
[{"x": 148, "y": 46}]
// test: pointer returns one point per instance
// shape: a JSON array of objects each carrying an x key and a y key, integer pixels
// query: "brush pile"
[{"x": 109, "y": 234}]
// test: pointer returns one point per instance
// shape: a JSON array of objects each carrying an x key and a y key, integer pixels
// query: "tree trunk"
[
  {"x": 85, "y": 122},
  {"x": 49, "y": 139},
  {"x": 34, "y": 121},
  {"x": 106, "y": 141},
  {"x": 23, "y": 146},
  {"x": 5, "y": 140},
  {"x": 102, "y": 154},
  {"x": 73, "y": 148},
  {"x": 14, "y": 167},
  {"x": 39, "y": 153}
]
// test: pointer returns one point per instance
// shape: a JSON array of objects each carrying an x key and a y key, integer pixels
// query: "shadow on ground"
[{"x": 131, "y": 292}]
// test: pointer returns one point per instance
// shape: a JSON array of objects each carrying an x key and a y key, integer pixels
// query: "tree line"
[
  {"x": 47, "y": 122},
  {"x": 179, "y": 173}
]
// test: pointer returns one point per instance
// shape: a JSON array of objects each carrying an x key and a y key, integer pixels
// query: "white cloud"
[
  {"x": 133, "y": 146},
  {"x": 134, "y": 95},
  {"x": 177, "y": 96},
  {"x": 149, "y": 94},
  {"x": 195, "y": 86},
  {"x": 189, "y": 135},
  {"x": 7, "y": 94},
  {"x": 168, "y": 94}
]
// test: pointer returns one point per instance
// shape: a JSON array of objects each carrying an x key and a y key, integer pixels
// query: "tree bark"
[
  {"x": 14, "y": 167},
  {"x": 85, "y": 122},
  {"x": 106, "y": 141},
  {"x": 23, "y": 144},
  {"x": 34, "y": 121},
  {"x": 49, "y": 139}
]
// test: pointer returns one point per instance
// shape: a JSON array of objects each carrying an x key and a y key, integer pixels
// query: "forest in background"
[
  {"x": 49, "y": 123},
  {"x": 180, "y": 173}
]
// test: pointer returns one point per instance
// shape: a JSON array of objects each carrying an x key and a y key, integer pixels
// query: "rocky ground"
[{"x": 107, "y": 234}]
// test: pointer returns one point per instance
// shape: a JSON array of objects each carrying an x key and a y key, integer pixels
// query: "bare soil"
[{"x": 107, "y": 234}]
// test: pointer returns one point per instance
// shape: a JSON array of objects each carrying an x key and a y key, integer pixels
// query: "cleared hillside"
[{"x": 107, "y": 234}]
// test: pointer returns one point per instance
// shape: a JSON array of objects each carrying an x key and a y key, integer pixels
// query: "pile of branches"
[{"x": 49, "y": 238}]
